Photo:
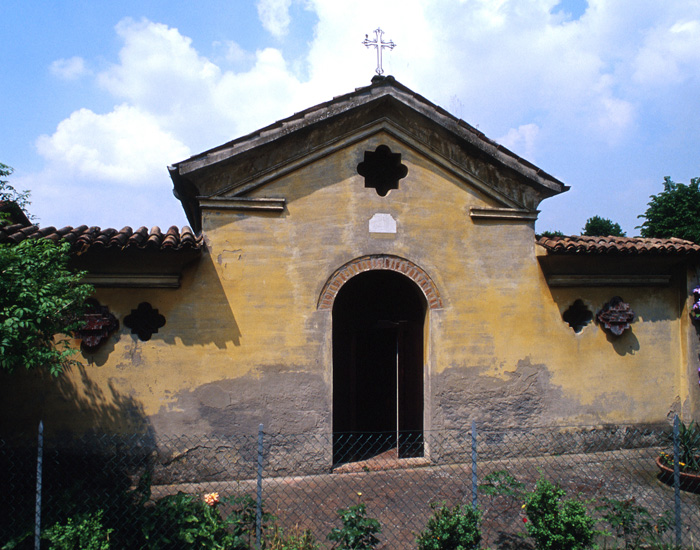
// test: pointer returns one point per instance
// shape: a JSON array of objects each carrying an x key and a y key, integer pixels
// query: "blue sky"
[{"x": 99, "y": 97}]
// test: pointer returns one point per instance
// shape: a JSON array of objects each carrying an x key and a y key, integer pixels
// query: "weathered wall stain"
[
  {"x": 283, "y": 399},
  {"x": 523, "y": 397}
]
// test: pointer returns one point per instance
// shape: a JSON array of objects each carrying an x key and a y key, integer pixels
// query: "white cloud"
[
  {"x": 162, "y": 74},
  {"x": 522, "y": 140},
  {"x": 258, "y": 97},
  {"x": 234, "y": 53},
  {"x": 274, "y": 16},
  {"x": 615, "y": 117},
  {"x": 158, "y": 68},
  {"x": 60, "y": 199},
  {"x": 173, "y": 102},
  {"x": 670, "y": 54},
  {"x": 69, "y": 69},
  {"x": 126, "y": 146}
]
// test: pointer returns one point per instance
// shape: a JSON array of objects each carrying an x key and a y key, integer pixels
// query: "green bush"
[
  {"x": 451, "y": 529},
  {"x": 557, "y": 523},
  {"x": 182, "y": 519},
  {"x": 82, "y": 532},
  {"x": 358, "y": 531},
  {"x": 632, "y": 523}
]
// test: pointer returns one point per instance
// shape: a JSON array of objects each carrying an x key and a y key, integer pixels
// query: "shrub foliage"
[
  {"x": 454, "y": 528},
  {"x": 557, "y": 523}
]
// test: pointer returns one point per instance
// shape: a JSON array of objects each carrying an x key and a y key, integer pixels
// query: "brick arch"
[{"x": 384, "y": 262}]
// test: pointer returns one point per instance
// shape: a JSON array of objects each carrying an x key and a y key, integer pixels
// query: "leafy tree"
[
  {"x": 602, "y": 227},
  {"x": 40, "y": 299},
  {"x": 9, "y": 193},
  {"x": 551, "y": 234},
  {"x": 675, "y": 212}
]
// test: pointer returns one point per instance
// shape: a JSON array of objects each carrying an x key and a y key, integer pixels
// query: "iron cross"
[{"x": 379, "y": 45}]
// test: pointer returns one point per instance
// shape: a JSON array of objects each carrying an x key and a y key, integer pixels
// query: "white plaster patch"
[{"x": 382, "y": 223}]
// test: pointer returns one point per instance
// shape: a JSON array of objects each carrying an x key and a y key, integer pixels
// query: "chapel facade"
[{"x": 370, "y": 265}]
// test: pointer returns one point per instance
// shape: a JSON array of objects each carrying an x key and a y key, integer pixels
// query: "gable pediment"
[{"x": 230, "y": 176}]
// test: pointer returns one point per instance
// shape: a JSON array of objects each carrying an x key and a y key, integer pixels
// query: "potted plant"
[{"x": 688, "y": 458}]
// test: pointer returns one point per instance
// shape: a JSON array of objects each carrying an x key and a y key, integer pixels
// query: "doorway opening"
[{"x": 378, "y": 363}]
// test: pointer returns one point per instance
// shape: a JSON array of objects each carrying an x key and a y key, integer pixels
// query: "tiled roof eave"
[
  {"x": 618, "y": 246},
  {"x": 83, "y": 238}
]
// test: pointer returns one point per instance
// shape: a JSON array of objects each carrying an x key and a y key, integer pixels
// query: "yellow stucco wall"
[{"x": 244, "y": 341}]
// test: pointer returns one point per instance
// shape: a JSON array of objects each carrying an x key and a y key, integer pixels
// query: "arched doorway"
[{"x": 378, "y": 357}]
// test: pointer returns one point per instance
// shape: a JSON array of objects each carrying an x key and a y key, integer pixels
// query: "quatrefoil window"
[
  {"x": 382, "y": 170},
  {"x": 144, "y": 321},
  {"x": 578, "y": 316}
]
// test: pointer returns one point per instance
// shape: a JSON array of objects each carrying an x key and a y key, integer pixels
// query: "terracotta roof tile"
[
  {"x": 582, "y": 245},
  {"x": 84, "y": 238}
]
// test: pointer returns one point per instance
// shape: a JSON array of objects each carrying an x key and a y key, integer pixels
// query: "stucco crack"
[{"x": 183, "y": 455}]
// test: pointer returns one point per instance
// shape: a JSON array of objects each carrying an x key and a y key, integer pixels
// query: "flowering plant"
[
  {"x": 211, "y": 499},
  {"x": 667, "y": 460},
  {"x": 695, "y": 310},
  {"x": 184, "y": 520},
  {"x": 688, "y": 446}
]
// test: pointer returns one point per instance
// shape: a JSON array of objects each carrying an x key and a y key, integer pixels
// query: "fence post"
[
  {"x": 258, "y": 508},
  {"x": 677, "y": 479},
  {"x": 39, "y": 474},
  {"x": 474, "y": 478}
]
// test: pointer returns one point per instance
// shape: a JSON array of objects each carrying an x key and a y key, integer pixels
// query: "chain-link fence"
[{"x": 146, "y": 488}]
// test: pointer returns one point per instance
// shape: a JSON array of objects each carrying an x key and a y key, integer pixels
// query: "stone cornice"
[
  {"x": 244, "y": 204},
  {"x": 516, "y": 214},
  {"x": 133, "y": 280}
]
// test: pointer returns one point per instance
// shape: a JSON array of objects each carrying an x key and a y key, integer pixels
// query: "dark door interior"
[{"x": 378, "y": 331}]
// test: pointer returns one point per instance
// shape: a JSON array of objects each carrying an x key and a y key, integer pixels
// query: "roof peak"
[{"x": 383, "y": 105}]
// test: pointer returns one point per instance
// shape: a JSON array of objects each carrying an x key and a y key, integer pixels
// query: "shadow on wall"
[
  {"x": 97, "y": 444},
  {"x": 204, "y": 316},
  {"x": 67, "y": 408},
  {"x": 625, "y": 344}
]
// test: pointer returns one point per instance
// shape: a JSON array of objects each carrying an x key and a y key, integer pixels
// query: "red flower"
[
  {"x": 524, "y": 520},
  {"x": 211, "y": 498}
]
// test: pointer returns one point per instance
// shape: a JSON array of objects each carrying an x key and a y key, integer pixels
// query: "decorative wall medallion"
[
  {"x": 99, "y": 323},
  {"x": 616, "y": 316},
  {"x": 144, "y": 321},
  {"x": 578, "y": 316},
  {"x": 382, "y": 170}
]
